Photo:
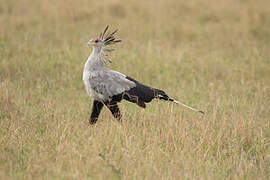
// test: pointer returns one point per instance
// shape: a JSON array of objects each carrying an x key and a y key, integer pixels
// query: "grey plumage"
[{"x": 109, "y": 83}]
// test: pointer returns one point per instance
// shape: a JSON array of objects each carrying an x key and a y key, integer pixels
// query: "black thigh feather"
[{"x": 96, "y": 109}]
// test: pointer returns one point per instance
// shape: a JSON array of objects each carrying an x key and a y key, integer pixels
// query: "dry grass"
[{"x": 213, "y": 55}]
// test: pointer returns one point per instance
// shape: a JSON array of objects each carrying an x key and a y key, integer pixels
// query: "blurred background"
[{"x": 213, "y": 55}]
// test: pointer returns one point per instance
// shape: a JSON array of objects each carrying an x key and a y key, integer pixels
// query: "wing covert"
[{"x": 109, "y": 83}]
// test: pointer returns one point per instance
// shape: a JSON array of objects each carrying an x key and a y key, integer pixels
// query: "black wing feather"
[
  {"x": 143, "y": 92},
  {"x": 140, "y": 94}
]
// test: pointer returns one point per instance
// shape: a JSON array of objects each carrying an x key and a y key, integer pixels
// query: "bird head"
[
  {"x": 104, "y": 39},
  {"x": 95, "y": 42}
]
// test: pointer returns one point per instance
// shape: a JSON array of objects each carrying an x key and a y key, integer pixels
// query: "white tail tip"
[{"x": 191, "y": 108}]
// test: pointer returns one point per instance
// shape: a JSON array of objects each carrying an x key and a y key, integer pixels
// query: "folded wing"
[{"x": 109, "y": 83}]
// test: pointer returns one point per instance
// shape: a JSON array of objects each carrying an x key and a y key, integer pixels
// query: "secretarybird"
[{"x": 108, "y": 87}]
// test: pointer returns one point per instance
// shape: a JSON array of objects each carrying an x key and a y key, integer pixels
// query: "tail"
[
  {"x": 159, "y": 94},
  {"x": 142, "y": 94}
]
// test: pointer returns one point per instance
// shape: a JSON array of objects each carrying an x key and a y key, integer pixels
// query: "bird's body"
[
  {"x": 101, "y": 83},
  {"x": 108, "y": 87}
]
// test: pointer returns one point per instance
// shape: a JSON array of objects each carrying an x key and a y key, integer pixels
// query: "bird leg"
[
  {"x": 96, "y": 109},
  {"x": 114, "y": 110}
]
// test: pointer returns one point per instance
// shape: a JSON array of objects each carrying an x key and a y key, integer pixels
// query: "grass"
[{"x": 211, "y": 55}]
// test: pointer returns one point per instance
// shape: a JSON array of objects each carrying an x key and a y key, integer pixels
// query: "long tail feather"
[
  {"x": 191, "y": 108},
  {"x": 162, "y": 95}
]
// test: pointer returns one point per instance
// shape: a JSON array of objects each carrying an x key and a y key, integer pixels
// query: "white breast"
[{"x": 90, "y": 91}]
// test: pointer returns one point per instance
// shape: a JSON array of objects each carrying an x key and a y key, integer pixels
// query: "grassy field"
[{"x": 211, "y": 55}]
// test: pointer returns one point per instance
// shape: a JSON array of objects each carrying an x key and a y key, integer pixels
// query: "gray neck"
[
  {"x": 96, "y": 50},
  {"x": 93, "y": 62}
]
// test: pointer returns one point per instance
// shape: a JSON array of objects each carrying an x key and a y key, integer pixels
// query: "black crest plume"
[{"x": 109, "y": 38}]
